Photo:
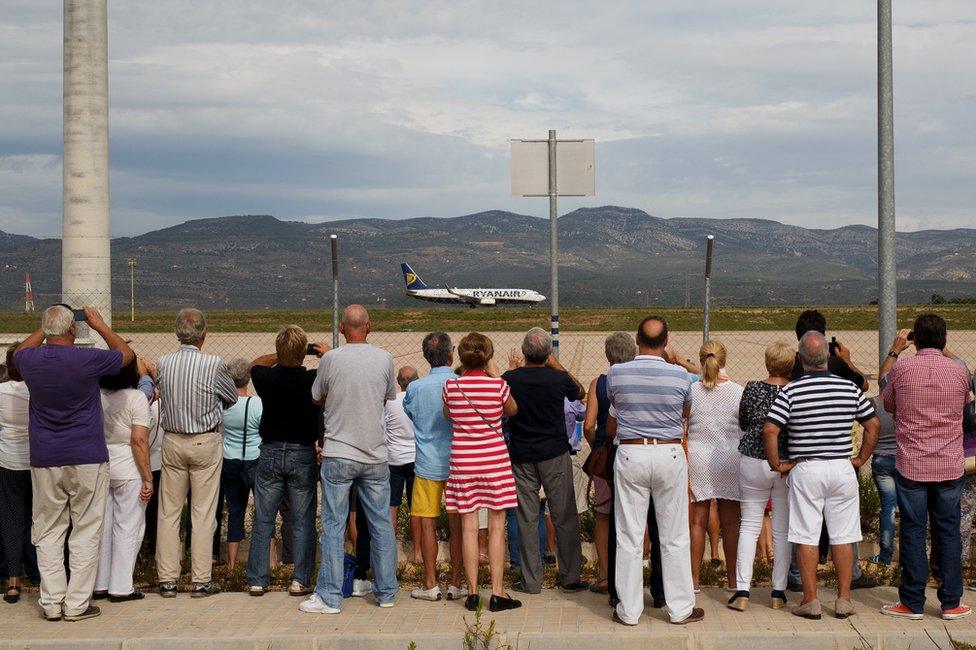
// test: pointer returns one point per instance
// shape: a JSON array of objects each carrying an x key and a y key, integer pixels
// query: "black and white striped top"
[
  {"x": 818, "y": 411},
  {"x": 194, "y": 389}
]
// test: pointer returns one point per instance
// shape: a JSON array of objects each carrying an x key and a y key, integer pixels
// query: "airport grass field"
[{"x": 504, "y": 319}]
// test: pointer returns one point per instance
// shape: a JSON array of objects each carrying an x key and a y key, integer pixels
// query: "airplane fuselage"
[{"x": 485, "y": 297}]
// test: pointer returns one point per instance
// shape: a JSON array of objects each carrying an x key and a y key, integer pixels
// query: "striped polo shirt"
[
  {"x": 648, "y": 396},
  {"x": 818, "y": 411},
  {"x": 194, "y": 389}
]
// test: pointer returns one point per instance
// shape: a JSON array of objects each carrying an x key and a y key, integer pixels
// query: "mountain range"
[{"x": 609, "y": 256}]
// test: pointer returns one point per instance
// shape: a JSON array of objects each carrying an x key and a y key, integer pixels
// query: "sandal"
[
  {"x": 600, "y": 586},
  {"x": 12, "y": 597}
]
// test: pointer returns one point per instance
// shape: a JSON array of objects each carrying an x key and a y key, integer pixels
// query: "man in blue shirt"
[{"x": 424, "y": 405}]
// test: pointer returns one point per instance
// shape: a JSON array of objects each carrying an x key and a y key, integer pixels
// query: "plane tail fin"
[{"x": 413, "y": 281}]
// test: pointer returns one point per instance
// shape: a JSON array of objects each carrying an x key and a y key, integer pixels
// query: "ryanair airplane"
[{"x": 417, "y": 288}]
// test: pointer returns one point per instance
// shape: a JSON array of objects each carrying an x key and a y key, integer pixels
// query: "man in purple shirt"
[{"x": 68, "y": 456}]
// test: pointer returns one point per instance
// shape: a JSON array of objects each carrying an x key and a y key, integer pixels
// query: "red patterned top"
[{"x": 481, "y": 471}]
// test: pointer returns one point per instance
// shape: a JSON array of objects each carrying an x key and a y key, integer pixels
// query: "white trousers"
[
  {"x": 125, "y": 524},
  {"x": 72, "y": 494},
  {"x": 661, "y": 471},
  {"x": 757, "y": 485}
]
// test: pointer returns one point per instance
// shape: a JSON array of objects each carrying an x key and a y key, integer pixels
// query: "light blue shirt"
[
  {"x": 234, "y": 427},
  {"x": 424, "y": 405},
  {"x": 648, "y": 395}
]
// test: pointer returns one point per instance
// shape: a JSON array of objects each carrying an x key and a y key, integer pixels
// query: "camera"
[
  {"x": 911, "y": 336},
  {"x": 310, "y": 350},
  {"x": 833, "y": 346}
]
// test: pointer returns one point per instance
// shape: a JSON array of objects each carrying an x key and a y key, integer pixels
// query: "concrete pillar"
[{"x": 86, "y": 278}]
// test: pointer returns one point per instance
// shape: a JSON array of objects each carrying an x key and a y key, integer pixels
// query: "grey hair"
[
  {"x": 57, "y": 320},
  {"x": 620, "y": 348},
  {"x": 240, "y": 372},
  {"x": 814, "y": 351},
  {"x": 537, "y": 345},
  {"x": 191, "y": 326},
  {"x": 437, "y": 349}
]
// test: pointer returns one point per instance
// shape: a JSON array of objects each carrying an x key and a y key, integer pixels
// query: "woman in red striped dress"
[{"x": 481, "y": 471}]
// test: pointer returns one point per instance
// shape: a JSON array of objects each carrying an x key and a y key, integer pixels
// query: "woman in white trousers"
[
  {"x": 126, "y": 415},
  {"x": 758, "y": 485}
]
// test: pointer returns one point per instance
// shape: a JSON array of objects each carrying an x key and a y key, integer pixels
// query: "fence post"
[
  {"x": 335, "y": 290},
  {"x": 707, "y": 319}
]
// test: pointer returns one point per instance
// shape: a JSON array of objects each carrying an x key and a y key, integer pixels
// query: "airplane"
[{"x": 417, "y": 288}]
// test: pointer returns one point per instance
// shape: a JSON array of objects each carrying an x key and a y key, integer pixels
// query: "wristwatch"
[{"x": 892, "y": 354}]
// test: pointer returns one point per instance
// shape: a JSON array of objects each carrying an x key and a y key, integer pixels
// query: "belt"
[
  {"x": 650, "y": 441},
  {"x": 194, "y": 433}
]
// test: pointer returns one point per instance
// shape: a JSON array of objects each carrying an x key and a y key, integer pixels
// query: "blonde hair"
[
  {"x": 780, "y": 359},
  {"x": 291, "y": 345},
  {"x": 712, "y": 357}
]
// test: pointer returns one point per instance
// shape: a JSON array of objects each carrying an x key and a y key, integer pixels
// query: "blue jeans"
[
  {"x": 283, "y": 468},
  {"x": 917, "y": 502},
  {"x": 372, "y": 483},
  {"x": 511, "y": 526},
  {"x": 882, "y": 471}
]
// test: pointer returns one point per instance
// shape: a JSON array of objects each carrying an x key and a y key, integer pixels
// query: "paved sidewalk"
[{"x": 549, "y": 620}]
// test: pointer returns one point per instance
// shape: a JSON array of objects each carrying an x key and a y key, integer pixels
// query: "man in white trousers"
[{"x": 650, "y": 397}]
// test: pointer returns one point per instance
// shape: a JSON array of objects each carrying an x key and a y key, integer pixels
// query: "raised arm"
[{"x": 112, "y": 340}]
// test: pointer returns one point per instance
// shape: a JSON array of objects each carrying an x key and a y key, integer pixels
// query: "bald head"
[
  {"x": 814, "y": 351},
  {"x": 652, "y": 335},
  {"x": 355, "y": 325},
  {"x": 405, "y": 375}
]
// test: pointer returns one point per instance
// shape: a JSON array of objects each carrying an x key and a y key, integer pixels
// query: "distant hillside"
[{"x": 607, "y": 255}]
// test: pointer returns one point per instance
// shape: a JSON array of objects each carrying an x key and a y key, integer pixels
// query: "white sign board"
[{"x": 575, "y": 168}]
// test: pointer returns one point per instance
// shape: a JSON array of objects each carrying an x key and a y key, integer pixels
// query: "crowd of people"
[{"x": 101, "y": 453}]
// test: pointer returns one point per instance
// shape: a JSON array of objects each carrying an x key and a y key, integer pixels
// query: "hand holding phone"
[{"x": 833, "y": 346}]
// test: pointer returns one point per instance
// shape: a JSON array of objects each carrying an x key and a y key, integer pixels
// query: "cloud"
[{"x": 330, "y": 110}]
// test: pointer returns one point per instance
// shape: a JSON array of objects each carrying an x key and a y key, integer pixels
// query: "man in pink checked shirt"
[{"x": 926, "y": 395}]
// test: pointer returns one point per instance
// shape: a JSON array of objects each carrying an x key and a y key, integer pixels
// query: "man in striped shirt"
[
  {"x": 194, "y": 390},
  {"x": 649, "y": 398},
  {"x": 818, "y": 410}
]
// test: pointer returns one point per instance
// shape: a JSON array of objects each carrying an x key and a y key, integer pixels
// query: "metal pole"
[
  {"x": 335, "y": 290},
  {"x": 706, "y": 323},
  {"x": 132, "y": 289},
  {"x": 887, "y": 283},
  {"x": 553, "y": 246}
]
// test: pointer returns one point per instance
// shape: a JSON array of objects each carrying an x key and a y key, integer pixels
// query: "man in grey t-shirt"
[{"x": 354, "y": 383}]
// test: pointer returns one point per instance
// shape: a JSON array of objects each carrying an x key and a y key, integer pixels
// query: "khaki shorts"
[{"x": 427, "y": 497}]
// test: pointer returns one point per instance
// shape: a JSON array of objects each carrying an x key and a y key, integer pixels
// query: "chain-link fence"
[{"x": 249, "y": 334}]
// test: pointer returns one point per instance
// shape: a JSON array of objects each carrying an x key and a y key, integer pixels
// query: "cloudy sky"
[{"x": 325, "y": 110}]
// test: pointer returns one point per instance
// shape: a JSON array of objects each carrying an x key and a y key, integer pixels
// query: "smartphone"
[
  {"x": 310, "y": 350},
  {"x": 833, "y": 346},
  {"x": 911, "y": 336},
  {"x": 79, "y": 314}
]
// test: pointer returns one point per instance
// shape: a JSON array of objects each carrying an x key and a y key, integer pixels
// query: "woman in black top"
[
  {"x": 758, "y": 484},
  {"x": 287, "y": 464}
]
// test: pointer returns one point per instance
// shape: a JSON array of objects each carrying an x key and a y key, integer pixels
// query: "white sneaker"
[
  {"x": 387, "y": 604},
  {"x": 456, "y": 593},
  {"x": 432, "y": 594},
  {"x": 314, "y": 605},
  {"x": 361, "y": 588}
]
